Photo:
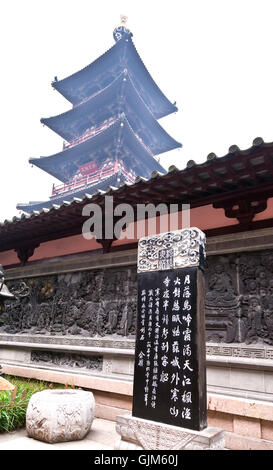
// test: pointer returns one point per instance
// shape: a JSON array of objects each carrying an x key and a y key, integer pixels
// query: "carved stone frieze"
[
  {"x": 87, "y": 304},
  {"x": 102, "y": 303},
  {"x": 67, "y": 360},
  {"x": 239, "y": 298}
]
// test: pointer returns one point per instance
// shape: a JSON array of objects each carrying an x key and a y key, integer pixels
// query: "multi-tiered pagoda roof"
[{"x": 111, "y": 133}]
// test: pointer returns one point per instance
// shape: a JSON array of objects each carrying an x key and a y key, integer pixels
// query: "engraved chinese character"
[
  {"x": 176, "y": 292},
  {"x": 187, "y": 365},
  {"x": 186, "y": 305},
  {"x": 165, "y": 332},
  {"x": 187, "y": 319},
  {"x": 186, "y": 292},
  {"x": 175, "y": 378},
  {"x": 187, "y": 334},
  {"x": 175, "y": 347},
  {"x": 164, "y": 377},
  {"x": 141, "y": 359},
  {"x": 186, "y": 397},
  {"x": 176, "y": 305},
  {"x": 176, "y": 331},
  {"x": 176, "y": 319},
  {"x": 187, "y": 350},
  {"x": 174, "y": 394},
  {"x": 175, "y": 362},
  {"x": 174, "y": 411},
  {"x": 186, "y": 413},
  {"x": 166, "y": 294},
  {"x": 186, "y": 381},
  {"x": 165, "y": 361}
]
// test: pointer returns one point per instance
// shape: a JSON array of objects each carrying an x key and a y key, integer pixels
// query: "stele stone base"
[
  {"x": 142, "y": 434},
  {"x": 60, "y": 415}
]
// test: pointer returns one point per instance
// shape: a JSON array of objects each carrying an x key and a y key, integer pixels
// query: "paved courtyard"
[{"x": 101, "y": 437}]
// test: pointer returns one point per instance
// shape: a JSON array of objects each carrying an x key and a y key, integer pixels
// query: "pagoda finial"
[
  {"x": 123, "y": 19},
  {"x": 121, "y": 30}
]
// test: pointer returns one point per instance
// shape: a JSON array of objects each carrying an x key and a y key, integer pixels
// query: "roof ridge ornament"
[{"x": 121, "y": 30}]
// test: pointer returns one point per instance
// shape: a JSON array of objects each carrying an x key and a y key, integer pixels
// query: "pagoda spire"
[{"x": 121, "y": 30}]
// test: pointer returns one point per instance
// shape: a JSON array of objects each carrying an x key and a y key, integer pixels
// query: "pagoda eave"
[
  {"x": 106, "y": 105},
  {"x": 114, "y": 180},
  {"x": 123, "y": 55},
  {"x": 116, "y": 140}
]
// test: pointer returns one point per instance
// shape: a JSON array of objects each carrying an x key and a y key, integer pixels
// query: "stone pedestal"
[
  {"x": 142, "y": 434},
  {"x": 60, "y": 415}
]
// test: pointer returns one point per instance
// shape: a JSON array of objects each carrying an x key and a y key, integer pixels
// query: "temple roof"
[
  {"x": 240, "y": 175},
  {"x": 120, "y": 96},
  {"x": 100, "y": 73},
  {"x": 115, "y": 140}
]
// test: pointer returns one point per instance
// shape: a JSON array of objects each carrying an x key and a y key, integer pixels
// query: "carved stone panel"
[
  {"x": 67, "y": 360},
  {"x": 102, "y": 303},
  {"x": 90, "y": 303},
  {"x": 239, "y": 298}
]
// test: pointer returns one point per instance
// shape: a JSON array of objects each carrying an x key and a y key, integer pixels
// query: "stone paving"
[{"x": 102, "y": 436}]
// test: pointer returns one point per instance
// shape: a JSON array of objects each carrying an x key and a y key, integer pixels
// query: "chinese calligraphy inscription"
[{"x": 169, "y": 381}]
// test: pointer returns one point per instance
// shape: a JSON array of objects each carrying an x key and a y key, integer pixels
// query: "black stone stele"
[{"x": 170, "y": 370}]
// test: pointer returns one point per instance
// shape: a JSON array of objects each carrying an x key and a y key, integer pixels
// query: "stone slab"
[
  {"x": 142, "y": 434},
  {"x": 122, "y": 387}
]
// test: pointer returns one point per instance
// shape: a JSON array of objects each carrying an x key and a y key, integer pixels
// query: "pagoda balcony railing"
[
  {"x": 89, "y": 133},
  {"x": 79, "y": 182},
  {"x": 96, "y": 130}
]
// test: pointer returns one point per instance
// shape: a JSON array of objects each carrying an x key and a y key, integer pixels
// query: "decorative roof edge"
[{"x": 257, "y": 143}]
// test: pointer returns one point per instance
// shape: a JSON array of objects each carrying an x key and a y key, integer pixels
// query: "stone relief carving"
[
  {"x": 67, "y": 360},
  {"x": 239, "y": 298},
  {"x": 86, "y": 304},
  {"x": 221, "y": 301},
  {"x": 103, "y": 302}
]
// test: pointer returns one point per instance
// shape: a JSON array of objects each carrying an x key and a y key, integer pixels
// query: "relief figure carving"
[{"x": 103, "y": 302}]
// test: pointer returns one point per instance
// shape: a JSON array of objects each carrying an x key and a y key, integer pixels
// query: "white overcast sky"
[{"x": 213, "y": 57}]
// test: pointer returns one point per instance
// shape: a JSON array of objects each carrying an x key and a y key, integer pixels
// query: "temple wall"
[
  {"x": 75, "y": 323},
  {"x": 202, "y": 217}
]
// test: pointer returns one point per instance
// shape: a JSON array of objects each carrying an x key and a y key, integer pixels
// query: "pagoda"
[{"x": 112, "y": 132}]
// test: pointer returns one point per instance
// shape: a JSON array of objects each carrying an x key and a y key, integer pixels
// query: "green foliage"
[{"x": 13, "y": 404}]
